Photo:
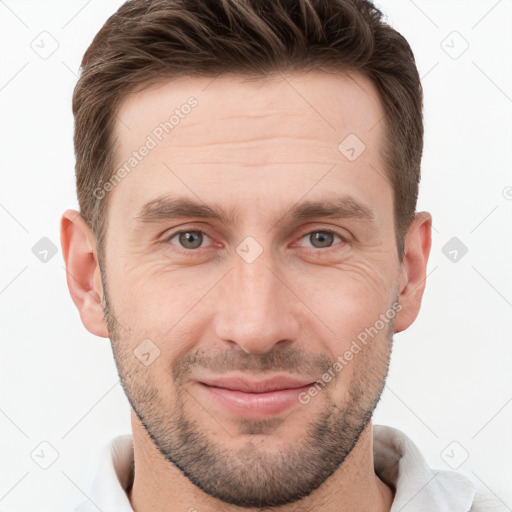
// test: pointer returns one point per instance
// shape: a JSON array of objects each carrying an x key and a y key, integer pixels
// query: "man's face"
[{"x": 202, "y": 309}]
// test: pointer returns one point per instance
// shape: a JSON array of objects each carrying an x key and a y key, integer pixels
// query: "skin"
[{"x": 256, "y": 149}]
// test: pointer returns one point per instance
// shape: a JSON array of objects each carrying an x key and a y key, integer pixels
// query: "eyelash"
[{"x": 343, "y": 239}]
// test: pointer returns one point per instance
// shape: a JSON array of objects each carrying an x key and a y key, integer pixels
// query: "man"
[{"x": 247, "y": 173}]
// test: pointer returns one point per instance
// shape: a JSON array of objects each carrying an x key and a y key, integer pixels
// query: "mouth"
[{"x": 254, "y": 398}]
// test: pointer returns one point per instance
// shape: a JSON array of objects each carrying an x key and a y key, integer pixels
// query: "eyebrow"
[
  {"x": 168, "y": 208},
  {"x": 339, "y": 208}
]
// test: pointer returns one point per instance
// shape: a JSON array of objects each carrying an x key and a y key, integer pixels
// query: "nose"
[{"x": 256, "y": 310}]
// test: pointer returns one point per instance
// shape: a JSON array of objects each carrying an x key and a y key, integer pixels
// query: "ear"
[
  {"x": 414, "y": 269},
  {"x": 83, "y": 271}
]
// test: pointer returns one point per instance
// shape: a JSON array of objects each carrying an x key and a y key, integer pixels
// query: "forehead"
[
  {"x": 282, "y": 133},
  {"x": 326, "y": 104}
]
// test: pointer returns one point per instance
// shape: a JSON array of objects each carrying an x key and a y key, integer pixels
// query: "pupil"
[
  {"x": 191, "y": 239},
  {"x": 321, "y": 239}
]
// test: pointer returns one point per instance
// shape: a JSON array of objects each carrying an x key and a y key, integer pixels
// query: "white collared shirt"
[{"x": 397, "y": 462}]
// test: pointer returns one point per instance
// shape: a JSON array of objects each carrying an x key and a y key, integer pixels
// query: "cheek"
[
  {"x": 352, "y": 293},
  {"x": 351, "y": 300},
  {"x": 158, "y": 303}
]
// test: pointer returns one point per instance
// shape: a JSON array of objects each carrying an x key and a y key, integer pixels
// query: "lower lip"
[{"x": 255, "y": 405}]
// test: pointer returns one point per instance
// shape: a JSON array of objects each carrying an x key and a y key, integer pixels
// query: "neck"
[{"x": 159, "y": 486}]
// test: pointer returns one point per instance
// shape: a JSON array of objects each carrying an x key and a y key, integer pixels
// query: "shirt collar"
[{"x": 397, "y": 462}]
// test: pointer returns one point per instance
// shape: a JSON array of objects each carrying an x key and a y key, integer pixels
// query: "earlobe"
[
  {"x": 414, "y": 269},
  {"x": 83, "y": 272}
]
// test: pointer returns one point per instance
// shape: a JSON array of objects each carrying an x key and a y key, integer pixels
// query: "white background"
[{"x": 451, "y": 372}]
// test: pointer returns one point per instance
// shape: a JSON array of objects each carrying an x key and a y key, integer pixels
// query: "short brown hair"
[{"x": 148, "y": 40}]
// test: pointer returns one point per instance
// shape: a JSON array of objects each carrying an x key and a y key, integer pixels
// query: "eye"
[
  {"x": 190, "y": 239},
  {"x": 321, "y": 239}
]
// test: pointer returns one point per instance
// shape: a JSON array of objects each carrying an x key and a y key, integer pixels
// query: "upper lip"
[{"x": 256, "y": 386}]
